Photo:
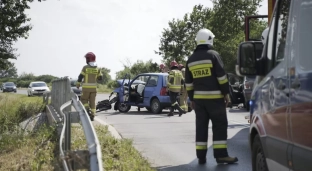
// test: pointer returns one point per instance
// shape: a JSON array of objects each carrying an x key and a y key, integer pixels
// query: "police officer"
[
  {"x": 90, "y": 74},
  {"x": 174, "y": 83},
  {"x": 208, "y": 89},
  {"x": 183, "y": 96}
]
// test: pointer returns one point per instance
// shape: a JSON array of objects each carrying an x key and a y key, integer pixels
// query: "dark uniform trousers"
[
  {"x": 173, "y": 98},
  {"x": 214, "y": 110}
]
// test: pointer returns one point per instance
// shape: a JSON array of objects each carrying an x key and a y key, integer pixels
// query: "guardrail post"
[{"x": 67, "y": 132}]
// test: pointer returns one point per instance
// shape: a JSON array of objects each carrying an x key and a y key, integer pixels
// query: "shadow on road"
[{"x": 237, "y": 146}]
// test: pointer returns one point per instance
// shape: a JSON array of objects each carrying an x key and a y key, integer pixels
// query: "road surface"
[{"x": 169, "y": 142}]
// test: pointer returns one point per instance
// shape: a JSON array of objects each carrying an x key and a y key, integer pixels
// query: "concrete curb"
[{"x": 111, "y": 129}]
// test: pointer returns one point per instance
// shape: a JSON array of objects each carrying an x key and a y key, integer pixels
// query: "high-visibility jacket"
[
  {"x": 90, "y": 75},
  {"x": 205, "y": 77},
  {"x": 183, "y": 72},
  {"x": 175, "y": 80}
]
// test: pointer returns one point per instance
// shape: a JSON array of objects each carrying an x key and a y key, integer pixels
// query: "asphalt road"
[
  {"x": 23, "y": 91},
  {"x": 169, "y": 142}
]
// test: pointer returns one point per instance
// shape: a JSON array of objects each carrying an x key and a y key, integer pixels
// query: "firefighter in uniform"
[
  {"x": 90, "y": 74},
  {"x": 208, "y": 89},
  {"x": 161, "y": 68},
  {"x": 183, "y": 96},
  {"x": 174, "y": 83}
]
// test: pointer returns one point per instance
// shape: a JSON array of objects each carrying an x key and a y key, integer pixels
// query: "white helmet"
[
  {"x": 204, "y": 36},
  {"x": 264, "y": 35}
]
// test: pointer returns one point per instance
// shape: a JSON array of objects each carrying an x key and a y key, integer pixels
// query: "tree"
[
  {"x": 13, "y": 25},
  {"x": 106, "y": 76},
  {"x": 10, "y": 72},
  {"x": 225, "y": 20},
  {"x": 137, "y": 68},
  {"x": 178, "y": 41},
  {"x": 143, "y": 67}
]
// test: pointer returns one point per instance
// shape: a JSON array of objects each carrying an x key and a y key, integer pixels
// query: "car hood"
[
  {"x": 75, "y": 89},
  {"x": 40, "y": 88}
]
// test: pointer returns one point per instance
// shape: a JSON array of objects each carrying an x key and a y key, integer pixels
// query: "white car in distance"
[{"x": 37, "y": 88}]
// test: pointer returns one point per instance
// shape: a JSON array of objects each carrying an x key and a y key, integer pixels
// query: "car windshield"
[
  {"x": 9, "y": 84},
  {"x": 250, "y": 78},
  {"x": 39, "y": 85}
]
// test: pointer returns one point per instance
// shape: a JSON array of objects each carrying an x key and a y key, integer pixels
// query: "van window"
[
  {"x": 304, "y": 31},
  {"x": 277, "y": 35}
]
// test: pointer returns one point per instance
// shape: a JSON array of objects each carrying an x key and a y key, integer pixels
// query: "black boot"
[
  {"x": 202, "y": 161},
  {"x": 181, "y": 111},
  {"x": 171, "y": 111},
  {"x": 227, "y": 160}
]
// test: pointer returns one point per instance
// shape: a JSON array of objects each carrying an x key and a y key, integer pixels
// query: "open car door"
[
  {"x": 124, "y": 89},
  {"x": 254, "y": 25}
]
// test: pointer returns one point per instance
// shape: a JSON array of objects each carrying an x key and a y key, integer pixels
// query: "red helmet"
[
  {"x": 161, "y": 66},
  {"x": 173, "y": 64},
  {"x": 181, "y": 66},
  {"x": 90, "y": 57}
]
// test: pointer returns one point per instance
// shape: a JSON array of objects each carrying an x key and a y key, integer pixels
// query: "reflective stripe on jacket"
[
  {"x": 90, "y": 75},
  {"x": 205, "y": 77},
  {"x": 175, "y": 80}
]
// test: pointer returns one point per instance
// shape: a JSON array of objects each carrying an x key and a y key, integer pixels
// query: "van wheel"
[
  {"x": 156, "y": 106},
  {"x": 123, "y": 108},
  {"x": 258, "y": 158}
]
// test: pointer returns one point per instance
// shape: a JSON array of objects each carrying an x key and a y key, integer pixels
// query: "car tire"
[
  {"x": 156, "y": 106},
  {"x": 123, "y": 108},
  {"x": 28, "y": 94},
  {"x": 189, "y": 109},
  {"x": 257, "y": 154}
]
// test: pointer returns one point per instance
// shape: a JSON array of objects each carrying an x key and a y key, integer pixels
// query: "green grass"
[
  {"x": 20, "y": 151},
  {"x": 39, "y": 150},
  {"x": 117, "y": 155},
  {"x": 104, "y": 89}
]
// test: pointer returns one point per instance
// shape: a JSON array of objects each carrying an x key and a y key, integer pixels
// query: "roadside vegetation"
[{"x": 39, "y": 150}]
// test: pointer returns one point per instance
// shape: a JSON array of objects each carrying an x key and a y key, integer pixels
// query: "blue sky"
[{"x": 63, "y": 31}]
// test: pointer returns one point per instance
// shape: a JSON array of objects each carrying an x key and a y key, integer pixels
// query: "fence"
[{"x": 60, "y": 113}]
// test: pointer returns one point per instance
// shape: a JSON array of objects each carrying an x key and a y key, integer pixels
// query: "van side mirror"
[{"x": 248, "y": 54}]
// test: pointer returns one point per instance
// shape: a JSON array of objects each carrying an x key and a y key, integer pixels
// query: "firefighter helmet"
[
  {"x": 90, "y": 57},
  {"x": 173, "y": 64},
  {"x": 161, "y": 66},
  {"x": 204, "y": 36},
  {"x": 264, "y": 35}
]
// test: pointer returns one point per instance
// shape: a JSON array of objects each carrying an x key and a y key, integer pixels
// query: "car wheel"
[
  {"x": 28, "y": 94},
  {"x": 156, "y": 106},
  {"x": 123, "y": 108},
  {"x": 189, "y": 109},
  {"x": 258, "y": 158}
]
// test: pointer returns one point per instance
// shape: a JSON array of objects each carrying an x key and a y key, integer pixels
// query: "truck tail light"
[{"x": 163, "y": 91}]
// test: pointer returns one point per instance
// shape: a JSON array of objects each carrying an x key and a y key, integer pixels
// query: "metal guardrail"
[{"x": 59, "y": 113}]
